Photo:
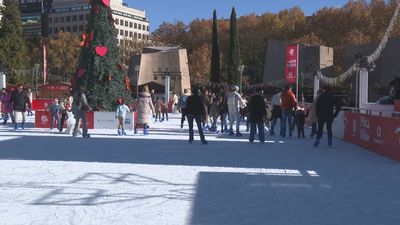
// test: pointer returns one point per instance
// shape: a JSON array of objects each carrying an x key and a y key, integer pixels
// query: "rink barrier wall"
[{"x": 95, "y": 120}]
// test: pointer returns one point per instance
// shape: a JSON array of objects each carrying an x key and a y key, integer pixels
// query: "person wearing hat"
[
  {"x": 20, "y": 101},
  {"x": 235, "y": 102}
]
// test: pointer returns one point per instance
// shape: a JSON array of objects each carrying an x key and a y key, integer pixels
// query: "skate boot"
[{"x": 119, "y": 132}]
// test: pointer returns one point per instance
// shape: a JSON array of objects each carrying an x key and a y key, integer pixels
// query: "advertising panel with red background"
[
  {"x": 43, "y": 120},
  {"x": 291, "y": 63},
  {"x": 376, "y": 133},
  {"x": 41, "y": 104}
]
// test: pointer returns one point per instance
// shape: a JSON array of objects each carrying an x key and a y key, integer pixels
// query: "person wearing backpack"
[
  {"x": 182, "y": 105},
  {"x": 80, "y": 107}
]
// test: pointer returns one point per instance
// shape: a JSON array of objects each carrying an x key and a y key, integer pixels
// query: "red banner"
[
  {"x": 44, "y": 64},
  {"x": 376, "y": 133},
  {"x": 43, "y": 119},
  {"x": 41, "y": 104},
  {"x": 291, "y": 65}
]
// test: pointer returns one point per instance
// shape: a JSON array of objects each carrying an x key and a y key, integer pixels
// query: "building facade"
[{"x": 72, "y": 16}]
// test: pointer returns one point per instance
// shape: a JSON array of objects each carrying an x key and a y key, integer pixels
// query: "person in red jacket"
[{"x": 288, "y": 104}]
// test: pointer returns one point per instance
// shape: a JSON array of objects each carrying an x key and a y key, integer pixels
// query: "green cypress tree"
[
  {"x": 13, "y": 47},
  {"x": 99, "y": 68},
  {"x": 234, "y": 52},
  {"x": 215, "y": 63}
]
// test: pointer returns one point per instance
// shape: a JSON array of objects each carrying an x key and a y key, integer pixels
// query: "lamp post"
[
  {"x": 137, "y": 69},
  {"x": 241, "y": 67},
  {"x": 166, "y": 75}
]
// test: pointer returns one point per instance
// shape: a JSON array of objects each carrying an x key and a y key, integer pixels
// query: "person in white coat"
[{"x": 235, "y": 102}]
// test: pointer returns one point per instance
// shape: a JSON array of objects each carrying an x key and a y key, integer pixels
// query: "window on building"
[
  {"x": 68, "y": 29},
  {"x": 117, "y": 21},
  {"x": 126, "y": 33},
  {"x": 121, "y": 32},
  {"x": 56, "y": 30},
  {"x": 121, "y": 22},
  {"x": 81, "y": 17},
  {"x": 50, "y": 30},
  {"x": 130, "y": 34},
  {"x": 50, "y": 20},
  {"x": 74, "y": 29},
  {"x": 55, "y": 19},
  {"x": 87, "y": 17},
  {"x": 148, "y": 28},
  {"x": 144, "y": 28},
  {"x": 135, "y": 35},
  {"x": 61, "y": 19},
  {"x": 121, "y": 42},
  {"x": 140, "y": 26},
  {"x": 80, "y": 27},
  {"x": 126, "y": 23},
  {"x": 74, "y": 18},
  {"x": 135, "y": 26},
  {"x": 130, "y": 24},
  {"x": 140, "y": 36},
  {"x": 68, "y": 18}
]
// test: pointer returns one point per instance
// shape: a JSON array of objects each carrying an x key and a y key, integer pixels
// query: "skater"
[
  {"x": 276, "y": 113},
  {"x": 182, "y": 105},
  {"x": 80, "y": 107},
  {"x": 120, "y": 114},
  {"x": 144, "y": 108},
  {"x": 257, "y": 113},
  {"x": 235, "y": 102},
  {"x": 164, "y": 109},
  {"x": 6, "y": 107},
  {"x": 325, "y": 114},
  {"x": 54, "y": 109},
  {"x": 313, "y": 115},
  {"x": 300, "y": 119},
  {"x": 20, "y": 101},
  {"x": 158, "y": 108},
  {"x": 288, "y": 105},
  {"x": 195, "y": 111}
]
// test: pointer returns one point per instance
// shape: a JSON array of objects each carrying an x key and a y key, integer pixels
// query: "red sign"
[
  {"x": 291, "y": 65},
  {"x": 43, "y": 119},
  {"x": 376, "y": 133},
  {"x": 397, "y": 105},
  {"x": 41, "y": 104}
]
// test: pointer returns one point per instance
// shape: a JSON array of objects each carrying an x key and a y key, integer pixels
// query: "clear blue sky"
[{"x": 158, "y": 11}]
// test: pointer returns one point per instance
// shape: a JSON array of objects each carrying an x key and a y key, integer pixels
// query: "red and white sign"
[
  {"x": 397, "y": 105},
  {"x": 41, "y": 104},
  {"x": 376, "y": 133},
  {"x": 291, "y": 65},
  {"x": 43, "y": 119},
  {"x": 107, "y": 120}
]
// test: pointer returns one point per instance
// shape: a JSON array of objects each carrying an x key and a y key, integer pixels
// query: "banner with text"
[
  {"x": 376, "y": 133},
  {"x": 291, "y": 65}
]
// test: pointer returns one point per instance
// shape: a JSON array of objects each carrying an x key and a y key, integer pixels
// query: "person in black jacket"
[
  {"x": 195, "y": 111},
  {"x": 257, "y": 113},
  {"x": 325, "y": 114},
  {"x": 19, "y": 100}
]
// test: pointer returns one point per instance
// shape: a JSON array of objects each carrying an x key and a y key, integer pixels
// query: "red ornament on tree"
[
  {"x": 86, "y": 39},
  {"x": 101, "y": 50},
  {"x": 106, "y": 2},
  {"x": 95, "y": 9},
  {"x": 81, "y": 72}
]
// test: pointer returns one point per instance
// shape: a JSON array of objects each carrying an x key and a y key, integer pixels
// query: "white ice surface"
[{"x": 47, "y": 178}]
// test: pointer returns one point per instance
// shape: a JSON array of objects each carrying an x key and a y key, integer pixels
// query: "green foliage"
[
  {"x": 104, "y": 79},
  {"x": 13, "y": 48},
  {"x": 234, "y": 52},
  {"x": 215, "y": 60}
]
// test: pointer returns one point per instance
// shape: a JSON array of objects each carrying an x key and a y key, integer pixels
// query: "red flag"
[
  {"x": 291, "y": 65},
  {"x": 44, "y": 64}
]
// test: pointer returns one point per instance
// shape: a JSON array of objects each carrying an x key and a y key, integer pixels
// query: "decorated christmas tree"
[{"x": 100, "y": 69}]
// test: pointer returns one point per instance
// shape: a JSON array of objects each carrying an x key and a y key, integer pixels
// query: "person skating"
[
  {"x": 120, "y": 114},
  {"x": 257, "y": 113},
  {"x": 288, "y": 105},
  {"x": 195, "y": 111},
  {"x": 276, "y": 112},
  {"x": 235, "y": 102},
  {"x": 182, "y": 105},
  {"x": 20, "y": 101},
  {"x": 326, "y": 104},
  {"x": 80, "y": 107},
  {"x": 144, "y": 108}
]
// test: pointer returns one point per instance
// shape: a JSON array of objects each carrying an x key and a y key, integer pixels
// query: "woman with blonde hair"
[{"x": 144, "y": 108}]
